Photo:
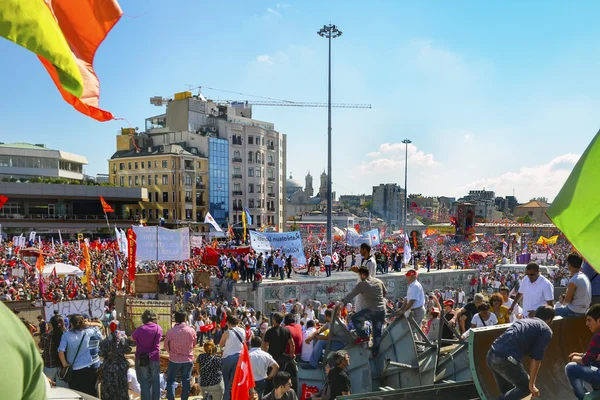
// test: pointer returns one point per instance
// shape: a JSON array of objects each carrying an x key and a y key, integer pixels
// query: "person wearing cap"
[
  {"x": 367, "y": 261},
  {"x": 415, "y": 298},
  {"x": 484, "y": 317},
  {"x": 465, "y": 314},
  {"x": 579, "y": 290},
  {"x": 449, "y": 313},
  {"x": 373, "y": 292},
  {"x": 433, "y": 325}
]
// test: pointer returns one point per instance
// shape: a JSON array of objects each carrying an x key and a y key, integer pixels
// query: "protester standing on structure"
[
  {"x": 525, "y": 337},
  {"x": 535, "y": 290},
  {"x": 415, "y": 298},
  {"x": 369, "y": 261}
]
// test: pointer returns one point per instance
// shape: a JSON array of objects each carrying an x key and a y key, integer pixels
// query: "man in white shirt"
[
  {"x": 415, "y": 298},
  {"x": 535, "y": 290},
  {"x": 310, "y": 312},
  {"x": 261, "y": 361},
  {"x": 460, "y": 298},
  {"x": 307, "y": 348},
  {"x": 369, "y": 261},
  {"x": 327, "y": 263}
]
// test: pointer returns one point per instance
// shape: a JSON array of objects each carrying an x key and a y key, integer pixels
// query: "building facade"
[
  {"x": 535, "y": 209},
  {"x": 26, "y": 161},
  {"x": 246, "y": 158},
  {"x": 174, "y": 176},
  {"x": 388, "y": 202}
]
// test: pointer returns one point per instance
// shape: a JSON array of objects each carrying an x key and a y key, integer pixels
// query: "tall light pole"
[
  {"x": 329, "y": 32},
  {"x": 406, "y": 143}
]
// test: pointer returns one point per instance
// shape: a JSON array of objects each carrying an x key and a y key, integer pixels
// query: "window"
[
  {"x": 129, "y": 165},
  {"x": 174, "y": 198},
  {"x": 135, "y": 165},
  {"x": 143, "y": 213},
  {"x": 149, "y": 213},
  {"x": 149, "y": 180},
  {"x": 258, "y": 157},
  {"x": 187, "y": 179},
  {"x": 149, "y": 164},
  {"x": 165, "y": 179},
  {"x": 142, "y": 166},
  {"x": 188, "y": 195},
  {"x": 250, "y": 156},
  {"x": 251, "y": 188},
  {"x": 199, "y": 167},
  {"x": 250, "y": 171},
  {"x": 251, "y": 203},
  {"x": 121, "y": 166},
  {"x": 156, "y": 199},
  {"x": 129, "y": 180},
  {"x": 165, "y": 197},
  {"x": 173, "y": 176},
  {"x": 137, "y": 181},
  {"x": 114, "y": 180},
  {"x": 258, "y": 187},
  {"x": 237, "y": 187},
  {"x": 114, "y": 166},
  {"x": 250, "y": 140},
  {"x": 258, "y": 172},
  {"x": 236, "y": 154},
  {"x": 150, "y": 197},
  {"x": 258, "y": 220},
  {"x": 270, "y": 160},
  {"x": 166, "y": 213},
  {"x": 165, "y": 164},
  {"x": 173, "y": 163},
  {"x": 237, "y": 171},
  {"x": 156, "y": 179},
  {"x": 122, "y": 180}
]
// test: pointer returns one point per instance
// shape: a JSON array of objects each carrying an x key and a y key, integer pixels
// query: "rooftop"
[
  {"x": 534, "y": 204},
  {"x": 177, "y": 149},
  {"x": 25, "y": 146}
]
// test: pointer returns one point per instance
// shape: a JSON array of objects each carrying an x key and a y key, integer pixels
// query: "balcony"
[
  {"x": 200, "y": 186},
  {"x": 236, "y": 176},
  {"x": 271, "y": 179},
  {"x": 271, "y": 195},
  {"x": 237, "y": 159},
  {"x": 271, "y": 147},
  {"x": 200, "y": 203},
  {"x": 271, "y": 164},
  {"x": 237, "y": 193},
  {"x": 271, "y": 209},
  {"x": 188, "y": 199}
]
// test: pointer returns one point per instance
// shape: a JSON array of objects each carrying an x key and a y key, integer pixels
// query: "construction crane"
[
  {"x": 284, "y": 103},
  {"x": 159, "y": 100}
]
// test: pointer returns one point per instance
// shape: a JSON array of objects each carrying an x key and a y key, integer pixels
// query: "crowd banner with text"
[
  {"x": 289, "y": 243},
  {"x": 93, "y": 307},
  {"x": 161, "y": 244},
  {"x": 162, "y": 308},
  {"x": 196, "y": 241},
  {"x": 355, "y": 239}
]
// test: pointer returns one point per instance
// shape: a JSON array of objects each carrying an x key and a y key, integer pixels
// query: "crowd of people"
[{"x": 297, "y": 336}]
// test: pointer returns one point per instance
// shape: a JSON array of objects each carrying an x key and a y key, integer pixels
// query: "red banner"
[
  {"x": 131, "y": 249},
  {"x": 211, "y": 255}
]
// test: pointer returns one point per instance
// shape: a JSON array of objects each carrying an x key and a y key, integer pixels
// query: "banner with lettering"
[
  {"x": 196, "y": 241},
  {"x": 158, "y": 243},
  {"x": 289, "y": 243},
  {"x": 93, "y": 307}
]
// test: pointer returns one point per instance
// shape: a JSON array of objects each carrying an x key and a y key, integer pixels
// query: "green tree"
[{"x": 526, "y": 219}]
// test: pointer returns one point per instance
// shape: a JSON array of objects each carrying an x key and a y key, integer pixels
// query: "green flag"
[{"x": 576, "y": 209}]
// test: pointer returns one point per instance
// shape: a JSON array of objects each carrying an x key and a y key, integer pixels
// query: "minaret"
[
  {"x": 323, "y": 187},
  {"x": 308, "y": 185}
]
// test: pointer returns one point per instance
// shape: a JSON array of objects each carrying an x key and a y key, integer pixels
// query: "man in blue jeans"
[
  {"x": 584, "y": 366},
  {"x": 339, "y": 338},
  {"x": 529, "y": 336},
  {"x": 147, "y": 339},
  {"x": 179, "y": 342},
  {"x": 373, "y": 292}
]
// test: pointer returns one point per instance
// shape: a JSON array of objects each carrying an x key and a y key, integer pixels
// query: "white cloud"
[
  {"x": 392, "y": 155},
  {"x": 279, "y": 5},
  {"x": 270, "y": 10},
  {"x": 467, "y": 137},
  {"x": 544, "y": 180},
  {"x": 265, "y": 59}
]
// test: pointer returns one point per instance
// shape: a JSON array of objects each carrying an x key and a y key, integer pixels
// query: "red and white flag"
[{"x": 243, "y": 380}]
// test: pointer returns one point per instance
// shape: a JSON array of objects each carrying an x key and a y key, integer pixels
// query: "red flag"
[
  {"x": 243, "y": 380},
  {"x": 105, "y": 207},
  {"x": 3, "y": 200},
  {"x": 131, "y": 250}
]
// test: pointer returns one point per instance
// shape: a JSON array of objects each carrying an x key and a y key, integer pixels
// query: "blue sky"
[{"x": 497, "y": 95}]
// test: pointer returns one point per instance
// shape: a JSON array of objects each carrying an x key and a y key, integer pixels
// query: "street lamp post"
[
  {"x": 329, "y": 32},
  {"x": 406, "y": 143}
]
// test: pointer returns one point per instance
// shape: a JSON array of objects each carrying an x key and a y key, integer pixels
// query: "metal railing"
[{"x": 236, "y": 176}]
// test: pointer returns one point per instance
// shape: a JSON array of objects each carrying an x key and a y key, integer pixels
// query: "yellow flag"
[
  {"x": 545, "y": 240},
  {"x": 244, "y": 223},
  {"x": 88, "y": 268}
]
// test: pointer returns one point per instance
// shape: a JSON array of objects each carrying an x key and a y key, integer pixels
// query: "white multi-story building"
[
  {"x": 254, "y": 176},
  {"x": 24, "y": 160}
]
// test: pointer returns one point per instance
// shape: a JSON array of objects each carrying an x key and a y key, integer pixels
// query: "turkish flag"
[
  {"x": 243, "y": 380},
  {"x": 3, "y": 200}
]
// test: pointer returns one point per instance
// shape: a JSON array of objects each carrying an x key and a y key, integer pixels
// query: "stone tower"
[{"x": 308, "y": 184}]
